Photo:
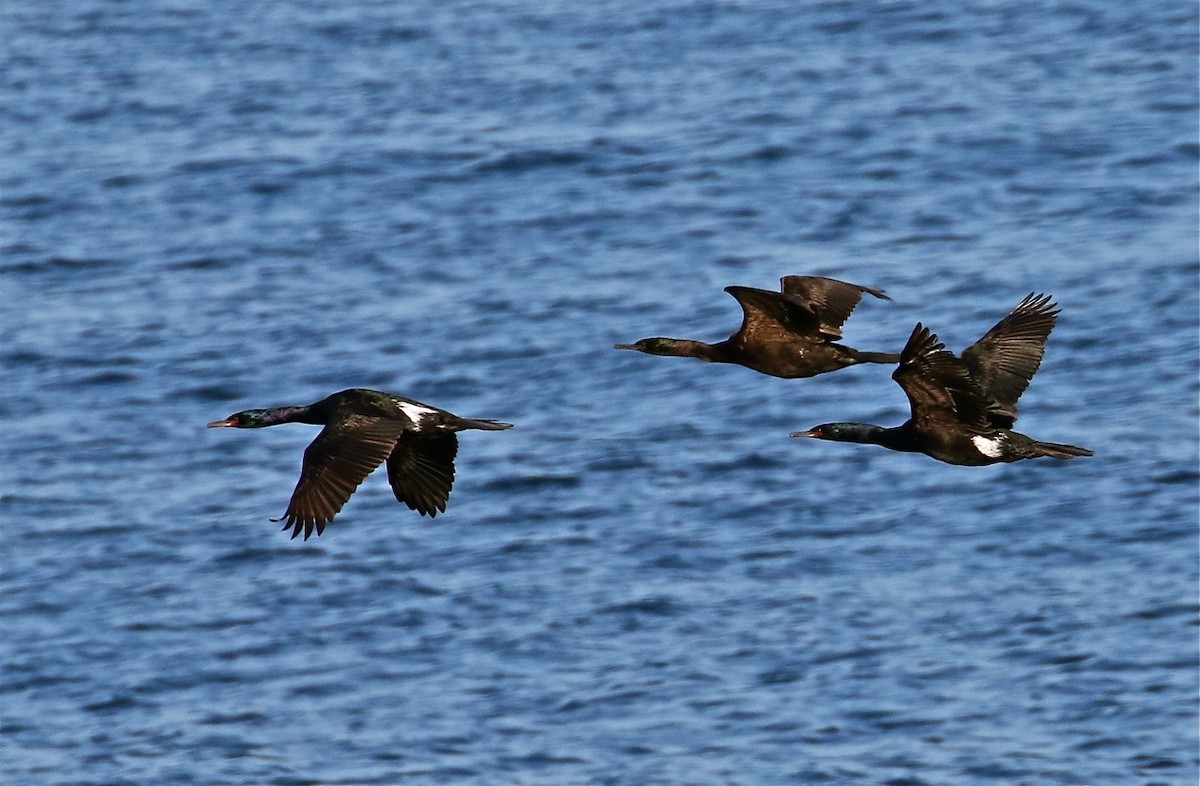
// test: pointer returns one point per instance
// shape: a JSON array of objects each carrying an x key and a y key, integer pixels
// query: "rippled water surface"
[{"x": 210, "y": 206}]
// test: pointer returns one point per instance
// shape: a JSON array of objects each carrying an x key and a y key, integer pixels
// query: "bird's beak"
[
  {"x": 226, "y": 423},
  {"x": 624, "y": 346},
  {"x": 810, "y": 433}
]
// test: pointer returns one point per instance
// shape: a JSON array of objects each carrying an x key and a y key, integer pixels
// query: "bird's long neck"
[
  {"x": 862, "y": 433},
  {"x": 276, "y": 415},
  {"x": 713, "y": 353},
  {"x": 870, "y": 434}
]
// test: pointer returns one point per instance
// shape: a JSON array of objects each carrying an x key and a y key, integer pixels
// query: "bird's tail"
[
  {"x": 1060, "y": 451},
  {"x": 876, "y": 357},
  {"x": 485, "y": 425}
]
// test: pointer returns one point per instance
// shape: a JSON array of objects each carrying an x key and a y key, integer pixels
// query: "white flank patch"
[
  {"x": 414, "y": 412},
  {"x": 992, "y": 448}
]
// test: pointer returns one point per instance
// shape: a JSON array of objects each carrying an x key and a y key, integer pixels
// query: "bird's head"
[
  {"x": 250, "y": 418},
  {"x": 817, "y": 432},
  {"x": 841, "y": 432},
  {"x": 654, "y": 346}
]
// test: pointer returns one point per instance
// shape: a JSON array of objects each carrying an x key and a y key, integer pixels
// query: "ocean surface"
[{"x": 207, "y": 206}]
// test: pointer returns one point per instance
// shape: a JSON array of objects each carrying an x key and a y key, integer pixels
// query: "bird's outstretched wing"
[
  {"x": 421, "y": 471},
  {"x": 335, "y": 463},
  {"x": 769, "y": 317},
  {"x": 831, "y": 300},
  {"x": 1008, "y": 355},
  {"x": 940, "y": 390}
]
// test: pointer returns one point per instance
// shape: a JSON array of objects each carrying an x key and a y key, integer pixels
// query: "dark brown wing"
[
  {"x": 831, "y": 300},
  {"x": 336, "y": 462},
  {"x": 1008, "y": 355},
  {"x": 421, "y": 471},
  {"x": 771, "y": 317},
  {"x": 940, "y": 391}
]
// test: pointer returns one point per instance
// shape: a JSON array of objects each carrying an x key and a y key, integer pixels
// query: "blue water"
[{"x": 211, "y": 206}]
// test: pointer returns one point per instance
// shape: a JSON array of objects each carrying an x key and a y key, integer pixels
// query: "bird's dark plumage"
[
  {"x": 789, "y": 334},
  {"x": 1007, "y": 356},
  {"x": 962, "y": 409},
  {"x": 832, "y": 301},
  {"x": 363, "y": 429}
]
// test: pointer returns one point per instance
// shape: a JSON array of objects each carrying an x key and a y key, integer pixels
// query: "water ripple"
[{"x": 646, "y": 581}]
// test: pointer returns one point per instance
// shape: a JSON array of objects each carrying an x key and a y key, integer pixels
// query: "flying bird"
[
  {"x": 363, "y": 429},
  {"x": 963, "y": 409},
  {"x": 792, "y": 333}
]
